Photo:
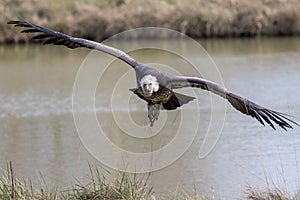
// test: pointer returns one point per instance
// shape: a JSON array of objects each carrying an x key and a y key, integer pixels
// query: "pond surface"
[{"x": 39, "y": 135}]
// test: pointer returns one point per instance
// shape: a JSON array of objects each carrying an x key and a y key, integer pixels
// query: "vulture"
[{"x": 157, "y": 87}]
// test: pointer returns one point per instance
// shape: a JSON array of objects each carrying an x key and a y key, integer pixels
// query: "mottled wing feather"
[{"x": 245, "y": 106}]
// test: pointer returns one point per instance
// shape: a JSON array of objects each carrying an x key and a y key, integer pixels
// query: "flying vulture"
[{"x": 157, "y": 87}]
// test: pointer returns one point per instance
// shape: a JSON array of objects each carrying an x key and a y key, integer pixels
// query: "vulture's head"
[{"x": 149, "y": 85}]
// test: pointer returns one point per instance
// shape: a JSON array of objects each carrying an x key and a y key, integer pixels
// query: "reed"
[{"x": 98, "y": 20}]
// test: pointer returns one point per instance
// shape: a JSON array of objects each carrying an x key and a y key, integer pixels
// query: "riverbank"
[
  {"x": 124, "y": 186},
  {"x": 98, "y": 20}
]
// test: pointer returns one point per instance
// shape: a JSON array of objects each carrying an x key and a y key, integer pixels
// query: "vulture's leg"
[{"x": 153, "y": 112}]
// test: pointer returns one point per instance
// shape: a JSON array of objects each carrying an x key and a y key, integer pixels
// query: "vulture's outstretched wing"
[
  {"x": 241, "y": 104},
  {"x": 48, "y": 36}
]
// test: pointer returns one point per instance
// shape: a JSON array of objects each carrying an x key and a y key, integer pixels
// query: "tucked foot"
[{"x": 153, "y": 112}]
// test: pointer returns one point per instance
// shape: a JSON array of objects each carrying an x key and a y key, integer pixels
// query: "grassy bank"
[
  {"x": 98, "y": 20},
  {"x": 124, "y": 186}
]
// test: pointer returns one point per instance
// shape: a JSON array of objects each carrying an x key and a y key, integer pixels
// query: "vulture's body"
[{"x": 157, "y": 87}]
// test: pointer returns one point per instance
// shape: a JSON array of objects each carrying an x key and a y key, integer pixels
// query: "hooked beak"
[
  {"x": 147, "y": 91},
  {"x": 147, "y": 88}
]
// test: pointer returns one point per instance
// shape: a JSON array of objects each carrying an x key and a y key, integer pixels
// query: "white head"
[{"x": 149, "y": 85}]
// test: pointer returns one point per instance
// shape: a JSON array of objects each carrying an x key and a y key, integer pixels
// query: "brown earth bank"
[{"x": 100, "y": 19}]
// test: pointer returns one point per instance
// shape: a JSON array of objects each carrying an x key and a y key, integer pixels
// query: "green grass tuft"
[
  {"x": 125, "y": 186},
  {"x": 12, "y": 188}
]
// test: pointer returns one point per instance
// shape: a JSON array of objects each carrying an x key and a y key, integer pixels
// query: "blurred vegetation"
[
  {"x": 124, "y": 186},
  {"x": 270, "y": 194},
  {"x": 100, "y": 19}
]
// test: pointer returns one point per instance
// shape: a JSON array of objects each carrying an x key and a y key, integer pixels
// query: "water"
[{"x": 38, "y": 132}]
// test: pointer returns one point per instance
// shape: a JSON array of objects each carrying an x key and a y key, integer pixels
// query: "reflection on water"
[{"x": 38, "y": 132}]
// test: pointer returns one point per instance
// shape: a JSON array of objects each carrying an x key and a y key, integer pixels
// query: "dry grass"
[
  {"x": 124, "y": 186},
  {"x": 12, "y": 188},
  {"x": 269, "y": 194},
  {"x": 98, "y": 20}
]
